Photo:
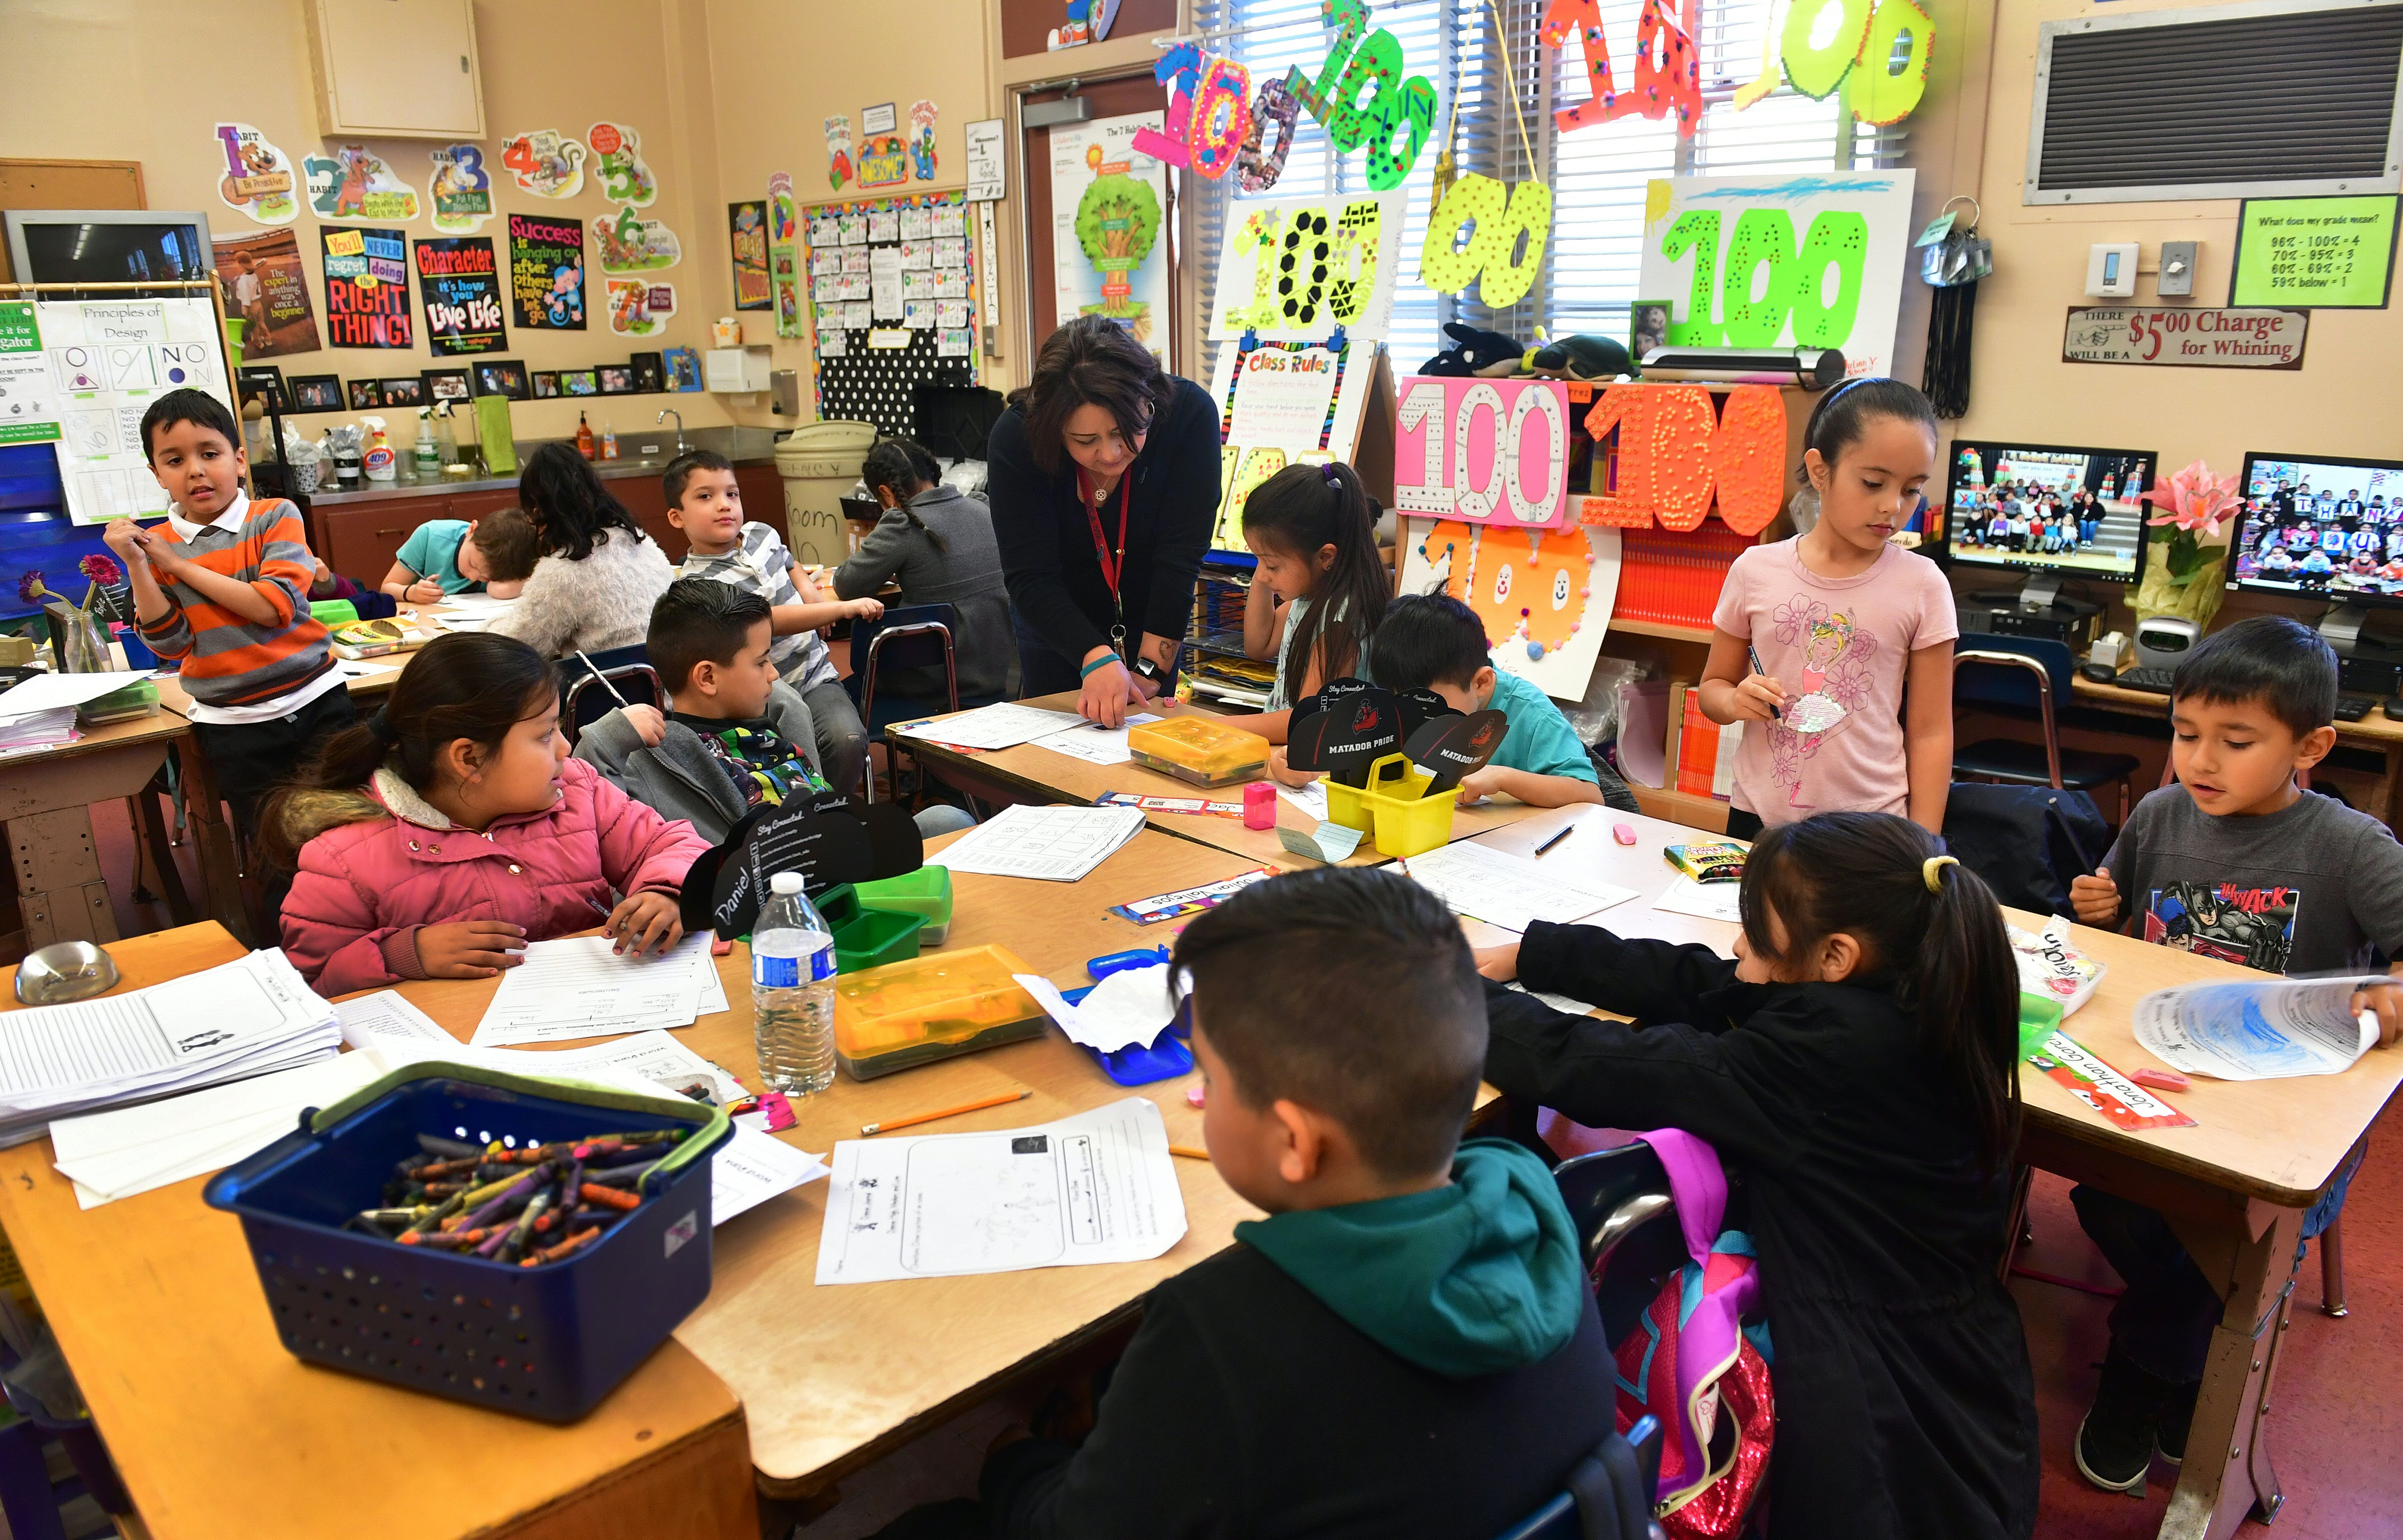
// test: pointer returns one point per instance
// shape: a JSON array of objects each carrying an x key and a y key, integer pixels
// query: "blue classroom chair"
[{"x": 2022, "y": 675}]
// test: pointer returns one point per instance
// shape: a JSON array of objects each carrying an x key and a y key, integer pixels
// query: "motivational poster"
[
  {"x": 746, "y": 225},
  {"x": 459, "y": 281},
  {"x": 367, "y": 287},
  {"x": 547, "y": 272},
  {"x": 265, "y": 289}
]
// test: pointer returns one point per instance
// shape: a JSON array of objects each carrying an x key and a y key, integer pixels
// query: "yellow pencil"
[
  {"x": 1191, "y": 1152},
  {"x": 865, "y": 1129}
]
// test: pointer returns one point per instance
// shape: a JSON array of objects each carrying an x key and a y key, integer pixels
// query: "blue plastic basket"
[{"x": 547, "y": 1341}]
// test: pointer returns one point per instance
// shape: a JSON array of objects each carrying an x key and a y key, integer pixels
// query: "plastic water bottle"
[{"x": 792, "y": 991}]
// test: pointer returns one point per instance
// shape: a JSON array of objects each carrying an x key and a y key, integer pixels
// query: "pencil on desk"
[
  {"x": 604, "y": 678},
  {"x": 1191, "y": 1152},
  {"x": 867, "y": 1129}
]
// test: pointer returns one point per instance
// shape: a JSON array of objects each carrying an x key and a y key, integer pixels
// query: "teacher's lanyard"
[{"x": 1113, "y": 566}]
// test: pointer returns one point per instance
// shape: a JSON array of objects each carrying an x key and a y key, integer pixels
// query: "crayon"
[
  {"x": 565, "y": 1248},
  {"x": 523, "y": 1230},
  {"x": 449, "y": 1149},
  {"x": 610, "y": 1198}
]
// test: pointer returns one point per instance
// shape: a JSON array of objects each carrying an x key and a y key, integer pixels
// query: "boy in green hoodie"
[{"x": 1406, "y": 1346}]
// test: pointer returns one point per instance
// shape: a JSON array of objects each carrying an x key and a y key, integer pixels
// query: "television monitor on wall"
[
  {"x": 107, "y": 245},
  {"x": 2047, "y": 511},
  {"x": 2321, "y": 527}
]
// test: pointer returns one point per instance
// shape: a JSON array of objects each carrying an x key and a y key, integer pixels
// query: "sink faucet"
[{"x": 666, "y": 412}]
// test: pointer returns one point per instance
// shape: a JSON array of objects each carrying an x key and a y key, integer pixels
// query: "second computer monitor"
[{"x": 2057, "y": 508}]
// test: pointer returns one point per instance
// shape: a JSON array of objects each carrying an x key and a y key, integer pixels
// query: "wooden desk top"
[
  {"x": 161, "y": 725},
  {"x": 2376, "y": 728},
  {"x": 829, "y": 1378},
  {"x": 1064, "y": 778},
  {"x": 2279, "y": 1141},
  {"x": 220, "y": 1433}
]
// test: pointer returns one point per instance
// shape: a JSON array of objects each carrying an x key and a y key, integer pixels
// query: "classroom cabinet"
[{"x": 395, "y": 69}]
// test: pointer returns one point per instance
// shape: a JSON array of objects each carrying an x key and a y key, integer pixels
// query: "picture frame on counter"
[
  {"x": 684, "y": 369},
  {"x": 616, "y": 378},
  {"x": 266, "y": 383},
  {"x": 501, "y": 377},
  {"x": 578, "y": 383},
  {"x": 316, "y": 392},
  {"x": 546, "y": 383},
  {"x": 365, "y": 395},
  {"x": 408, "y": 390},
  {"x": 447, "y": 385},
  {"x": 651, "y": 373}
]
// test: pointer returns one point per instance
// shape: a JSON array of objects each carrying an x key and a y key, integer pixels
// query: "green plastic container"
[
  {"x": 2039, "y": 1019},
  {"x": 866, "y": 938},
  {"x": 925, "y": 893},
  {"x": 333, "y": 612}
]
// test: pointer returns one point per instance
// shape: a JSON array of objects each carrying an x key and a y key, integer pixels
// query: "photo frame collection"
[{"x": 665, "y": 372}]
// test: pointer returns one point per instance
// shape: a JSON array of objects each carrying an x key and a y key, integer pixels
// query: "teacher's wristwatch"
[{"x": 1151, "y": 671}]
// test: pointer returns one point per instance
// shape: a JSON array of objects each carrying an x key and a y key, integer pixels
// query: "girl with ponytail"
[
  {"x": 937, "y": 543},
  {"x": 1320, "y": 586},
  {"x": 439, "y": 836},
  {"x": 1857, "y": 1066}
]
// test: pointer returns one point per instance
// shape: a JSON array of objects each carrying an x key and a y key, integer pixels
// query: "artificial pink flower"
[
  {"x": 101, "y": 570},
  {"x": 2195, "y": 500}
]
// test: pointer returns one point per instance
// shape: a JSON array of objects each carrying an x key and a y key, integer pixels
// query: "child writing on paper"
[
  {"x": 1320, "y": 588},
  {"x": 2238, "y": 863},
  {"x": 1405, "y": 1348},
  {"x": 493, "y": 555},
  {"x": 1857, "y": 1063},
  {"x": 1852, "y": 632},
  {"x": 592, "y": 588},
  {"x": 937, "y": 543},
  {"x": 439, "y": 836}
]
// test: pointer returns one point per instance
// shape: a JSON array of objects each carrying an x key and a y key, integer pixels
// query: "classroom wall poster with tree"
[{"x": 1110, "y": 206}]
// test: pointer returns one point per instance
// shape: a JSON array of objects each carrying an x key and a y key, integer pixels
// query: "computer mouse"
[{"x": 2102, "y": 674}]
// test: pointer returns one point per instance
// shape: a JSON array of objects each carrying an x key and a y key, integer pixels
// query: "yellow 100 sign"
[{"x": 1743, "y": 295}]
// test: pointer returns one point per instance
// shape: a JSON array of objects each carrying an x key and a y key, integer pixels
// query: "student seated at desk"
[
  {"x": 937, "y": 543},
  {"x": 493, "y": 555},
  {"x": 1856, "y": 1064},
  {"x": 222, "y": 588},
  {"x": 599, "y": 574},
  {"x": 735, "y": 736},
  {"x": 1434, "y": 642},
  {"x": 2238, "y": 863},
  {"x": 1320, "y": 589},
  {"x": 438, "y": 838},
  {"x": 1407, "y": 1346}
]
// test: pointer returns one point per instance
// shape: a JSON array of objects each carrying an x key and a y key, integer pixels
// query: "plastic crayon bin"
[
  {"x": 545, "y": 1342},
  {"x": 866, "y": 936},
  {"x": 927, "y": 893}
]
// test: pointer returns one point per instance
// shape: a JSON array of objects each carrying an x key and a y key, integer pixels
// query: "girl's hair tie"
[
  {"x": 380, "y": 725},
  {"x": 1931, "y": 871},
  {"x": 1334, "y": 480}
]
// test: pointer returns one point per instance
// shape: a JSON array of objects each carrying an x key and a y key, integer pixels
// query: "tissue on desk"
[{"x": 1128, "y": 1008}]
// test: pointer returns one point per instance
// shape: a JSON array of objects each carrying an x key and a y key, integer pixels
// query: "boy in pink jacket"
[{"x": 435, "y": 839}]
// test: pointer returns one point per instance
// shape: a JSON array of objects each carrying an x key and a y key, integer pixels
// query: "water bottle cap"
[{"x": 785, "y": 883}]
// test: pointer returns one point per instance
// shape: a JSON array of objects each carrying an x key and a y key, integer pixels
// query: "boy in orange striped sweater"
[{"x": 224, "y": 586}]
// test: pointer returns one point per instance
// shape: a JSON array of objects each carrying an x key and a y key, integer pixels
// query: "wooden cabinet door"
[
  {"x": 649, "y": 504},
  {"x": 362, "y": 539},
  {"x": 763, "y": 497},
  {"x": 476, "y": 505}
]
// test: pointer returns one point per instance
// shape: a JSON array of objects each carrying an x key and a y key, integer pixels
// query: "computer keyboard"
[
  {"x": 2157, "y": 681},
  {"x": 2353, "y": 708}
]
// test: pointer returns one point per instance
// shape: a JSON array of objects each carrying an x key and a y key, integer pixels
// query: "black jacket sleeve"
[
  {"x": 1650, "y": 979},
  {"x": 1027, "y": 506},
  {"x": 1161, "y": 1460},
  {"x": 1185, "y": 491}
]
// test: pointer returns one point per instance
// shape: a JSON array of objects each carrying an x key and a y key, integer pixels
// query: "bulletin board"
[{"x": 892, "y": 303}]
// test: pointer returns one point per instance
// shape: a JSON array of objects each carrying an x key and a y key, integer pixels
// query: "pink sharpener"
[{"x": 1260, "y": 805}]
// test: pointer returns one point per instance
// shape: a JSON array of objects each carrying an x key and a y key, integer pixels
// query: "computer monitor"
[
  {"x": 107, "y": 245},
  {"x": 2318, "y": 527},
  {"x": 2048, "y": 511}
]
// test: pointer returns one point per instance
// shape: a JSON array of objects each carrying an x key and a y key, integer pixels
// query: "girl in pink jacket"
[{"x": 439, "y": 837}]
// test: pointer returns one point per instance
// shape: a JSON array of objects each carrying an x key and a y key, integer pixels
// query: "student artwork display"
[
  {"x": 267, "y": 289},
  {"x": 1108, "y": 203},
  {"x": 1833, "y": 244},
  {"x": 747, "y": 229},
  {"x": 1484, "y": 450},
  {"x": 921, "y": 138},
  {"x": 617, "y": 165},
  {"x": 460, "y": 280},
  {"x": 462, "y": 189},
  {"x": 837, "y": 143},
  {"x": 545, "y": 162},
  {"x": 784, "y": 254},
  {"x": 1303, "y": 267},
  {"x": 889, "y": 298},
  {"x": 1398, "y": 110},
  {"x": 1678, "y": 456},
  {"x": 637, "y": 306},
  {"x": 356, "y": 183},
  {"x": 547, "y": 272},
  {"x": 258, "y": 178},
  {"x": 1474, "y": 233},
  {"x": 107, "y": 360},
  {"x": 1209, "y": 112},
  {"x": 367, "y": 287},
  {"x": 1668, "y": 71},
  {"x": 631, "y": 244},
  {"x": 1823, "y": 46},
  {"x": 1545, "y": 596}
]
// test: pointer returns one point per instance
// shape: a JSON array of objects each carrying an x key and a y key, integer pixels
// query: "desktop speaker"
[{"x": 2163, "y": 641}]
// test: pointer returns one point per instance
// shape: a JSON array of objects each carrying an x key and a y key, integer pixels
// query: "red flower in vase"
[{"x": 101, "y": 570}]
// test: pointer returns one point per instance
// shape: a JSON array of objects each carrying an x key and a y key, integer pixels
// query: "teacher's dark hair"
[{"x": 1089, "y": 361}]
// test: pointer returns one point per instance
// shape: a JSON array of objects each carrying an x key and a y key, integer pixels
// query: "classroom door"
[{"x": 1116, "y": 98}]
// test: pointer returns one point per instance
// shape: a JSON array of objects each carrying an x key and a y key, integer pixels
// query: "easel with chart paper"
[
  {"x": 1305, "y": 297},
  {"x": 103, "y": 351},
  {"x": 892, "y": 284}
]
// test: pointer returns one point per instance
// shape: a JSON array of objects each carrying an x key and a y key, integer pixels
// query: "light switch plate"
[
  {"x": 2111, "y": 270},
  {"x": 2177, "y": 278}
]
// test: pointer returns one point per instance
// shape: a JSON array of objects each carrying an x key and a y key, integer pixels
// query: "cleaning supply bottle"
[
  {"x": 446, "y": 439},
  {"x": 583, "y": 436},
  {"x": 426, "y": 459},
  {"x": 608, "y": 441},
  {"x": 379, "y": 457}
]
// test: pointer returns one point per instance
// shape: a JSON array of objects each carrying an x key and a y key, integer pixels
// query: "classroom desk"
[
  {"x": 832, "y": 1378},
  {"x": 221, "y": 1434},
  {"x": 2377, "y": 733},
  {"x": 1028, "y": 774},
  {"x": 2233, "y": 1186},
  {"x": 45, "y": 799}
]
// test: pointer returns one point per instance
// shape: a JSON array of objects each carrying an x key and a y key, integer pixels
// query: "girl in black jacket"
[{"x": 1857, "y": 1063}]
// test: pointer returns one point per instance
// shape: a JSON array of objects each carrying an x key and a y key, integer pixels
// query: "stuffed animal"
[
  {"x": 1474, "y": 352},
  {"x": 1580, "y": 358}
]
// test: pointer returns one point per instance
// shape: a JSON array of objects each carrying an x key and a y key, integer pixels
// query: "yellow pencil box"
[
  {"x": 1195, "y": 749},
  {"x": 930, "y": 1007}
]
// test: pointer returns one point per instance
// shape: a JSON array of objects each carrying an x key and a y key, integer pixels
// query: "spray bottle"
[
  {"x": 428, "y": 457},
  {"x": 379, "y": 458}
]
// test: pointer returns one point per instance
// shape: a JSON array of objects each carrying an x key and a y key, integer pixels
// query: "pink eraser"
[
  {"x": 1193, "y": 1094},
  {"x": 1623, "y": 833},
  {"x": 2160, "y": 1079}
]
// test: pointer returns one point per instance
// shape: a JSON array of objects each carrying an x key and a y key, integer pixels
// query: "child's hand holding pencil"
[{"x": 1758, "y": 695}]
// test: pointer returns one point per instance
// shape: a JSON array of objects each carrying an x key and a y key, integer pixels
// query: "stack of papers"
[
  {"x": 1704, "y": 900},
  {"x": 39, "y": 730},
  {"x": 1001, "y": 727},
  {"x": 387, "y": 1023},
  {"x": 578, "y": 987},
  {"x": 1092, "y": 743},
  {"x": 1054, "y": 844},
  {"x": 230, "y": 1022},
  {"x": 1508, "y": 890},
  {"x": 2264, "y": 1031},
  {"x": 49, "y": 692}
]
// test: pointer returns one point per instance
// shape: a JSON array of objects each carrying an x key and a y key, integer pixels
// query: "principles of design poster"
[{"x": 108, "y": 359}]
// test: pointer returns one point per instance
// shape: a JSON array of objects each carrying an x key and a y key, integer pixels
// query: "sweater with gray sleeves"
[{"x": 964, "y": 573}]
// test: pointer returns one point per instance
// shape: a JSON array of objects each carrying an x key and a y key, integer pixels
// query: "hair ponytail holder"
[
  {"x": 380, "y": 725},
  {"x": 1328, "y": 471},
  {"x": 1931, "y": 870}
]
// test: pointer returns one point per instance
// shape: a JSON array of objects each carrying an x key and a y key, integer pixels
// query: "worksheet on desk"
[
  {"x": 1094, "y": 744},
  {"x": 1100, "y": 1186},
  {"x": 1001, "y": 727},
  {"x": 1508, "y": 890},
  {"x": 1052, "y": 844},
  {"x": 577, "y": 987}
]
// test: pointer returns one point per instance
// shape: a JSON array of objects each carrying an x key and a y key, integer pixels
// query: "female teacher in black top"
[{"x": 1103, "y": 480}]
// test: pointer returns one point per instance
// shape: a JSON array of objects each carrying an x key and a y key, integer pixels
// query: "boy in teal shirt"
[
  {"x": 446, "y": 555},
  {"x": 1434, "y": 642}
]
